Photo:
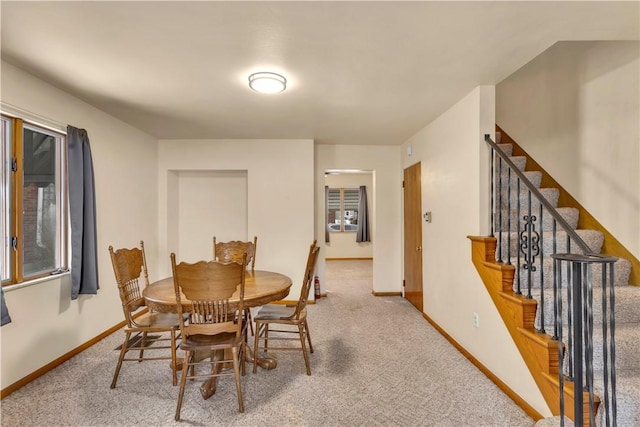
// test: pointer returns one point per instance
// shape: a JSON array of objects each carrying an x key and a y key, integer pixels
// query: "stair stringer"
[{"x": 539, "y": 351}]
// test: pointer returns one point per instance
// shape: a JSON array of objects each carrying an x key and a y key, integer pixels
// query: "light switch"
[{"x": 427, "y": 216}]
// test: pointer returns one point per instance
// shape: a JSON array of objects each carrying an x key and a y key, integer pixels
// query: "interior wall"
[
  {"x": 123, "y": 157},
  {"x": 206, "y": 199},
  {"x": 384, "y": 206},
  {"x": 279, "y": 194},
  {"x": 454, "y": 167},
  {"x": 576, "y": 110},
  {"x": 343, "y": 244}
]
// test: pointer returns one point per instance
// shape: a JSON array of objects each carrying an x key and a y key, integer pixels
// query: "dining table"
[{"x": 260, "y": 287}]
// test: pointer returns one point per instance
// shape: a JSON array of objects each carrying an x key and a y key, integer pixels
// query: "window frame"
[
  {"x": 12, "y": 195},
  {"x": 342, "y": 210}
]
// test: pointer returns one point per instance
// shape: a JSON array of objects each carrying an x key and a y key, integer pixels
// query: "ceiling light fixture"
[{"x": 265, "y": 82}]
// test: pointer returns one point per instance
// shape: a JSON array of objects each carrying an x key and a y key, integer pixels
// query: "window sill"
[{"x": 15, "y": 286}]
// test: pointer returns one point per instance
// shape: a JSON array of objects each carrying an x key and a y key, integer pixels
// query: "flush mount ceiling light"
[{"x": 265, "y": 82}]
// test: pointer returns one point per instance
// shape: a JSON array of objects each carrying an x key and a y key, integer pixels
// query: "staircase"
[{"x": 524, "y": 296}]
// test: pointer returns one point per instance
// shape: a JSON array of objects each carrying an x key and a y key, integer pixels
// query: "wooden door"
[{"x": 413, "y": 236}]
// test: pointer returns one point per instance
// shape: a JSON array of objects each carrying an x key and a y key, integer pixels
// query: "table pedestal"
[{"x": 208, "y": 388}]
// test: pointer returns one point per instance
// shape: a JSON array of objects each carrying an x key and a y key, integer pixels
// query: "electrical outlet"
[{"x": 476, "y": 320}]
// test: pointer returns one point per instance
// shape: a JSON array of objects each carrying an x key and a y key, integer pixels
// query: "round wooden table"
[{"x": 260, "y": 287}]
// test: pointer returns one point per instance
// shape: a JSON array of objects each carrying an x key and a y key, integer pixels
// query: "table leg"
[
  {"x": 264, "y": 361},
  {"x": 208, "y": 388}
]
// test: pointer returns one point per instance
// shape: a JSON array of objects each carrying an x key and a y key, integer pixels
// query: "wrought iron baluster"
[
  {"x": 491, "y": 194},
  {"x": 500, "y": 209},
  {"x": 612, "y": 347},
  {"x": 577, "y": 349},
  {"x": 519, "y": 276},
  {"x": 509, "y": 216},
  {"x": 558, "y": 338},
  {"x": 588, "y": 334},
  {"x": 529, "y": 245},
  {"x": 569, "y": 314},
  {"x": 605, "y": 346},
  {"x": 556, "y": 283},
  {"x": 541, "y": 276}
]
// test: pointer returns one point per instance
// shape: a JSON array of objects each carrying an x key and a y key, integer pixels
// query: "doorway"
[
  {"x": 413, "y": 236},
  {"x": 342, "y": 218}
]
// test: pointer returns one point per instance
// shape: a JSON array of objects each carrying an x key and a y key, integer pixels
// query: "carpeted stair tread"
[
  {"x": 506, "y": 149},
  {"x": 554, "y": 422},
  {"x": 506, "y": 179},
  {"x": 627, "y": 301},
  {"x": 592, "y": 238},
  {"x": 570, "y": 215},
  {"x": 621, "y": 273},
  {"x": 510, "y": 201},
  {"x": 627, "y": 336},
  {"x": 519, "y": 161},
  {"x": 627, "y": 396}
]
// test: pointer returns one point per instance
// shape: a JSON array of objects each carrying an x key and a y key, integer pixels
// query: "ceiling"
[{"x": 358, "y": 72}]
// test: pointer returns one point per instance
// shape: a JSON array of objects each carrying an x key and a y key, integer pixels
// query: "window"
[
  {"x": 33, "y": 202},
  {"x": 342, "y": 209}
]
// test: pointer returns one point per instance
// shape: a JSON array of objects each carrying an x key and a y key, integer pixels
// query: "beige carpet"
[{"x": 377, "y": 362}]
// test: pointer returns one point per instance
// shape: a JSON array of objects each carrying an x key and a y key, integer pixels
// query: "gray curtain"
[
  {"x": 82, "y": 211},
  {"x": 363, "y": 221},
  {"x": 5, "y": 313},
  {"x": 326, "y": 219}
]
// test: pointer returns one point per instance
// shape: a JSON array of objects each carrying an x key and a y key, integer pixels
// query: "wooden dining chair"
[
  {"x": 277, "y": 322},
  {"x": 214, "y": 324},
  {"x": 233, "y": 251},
  {"x": 146, "y": 332}
]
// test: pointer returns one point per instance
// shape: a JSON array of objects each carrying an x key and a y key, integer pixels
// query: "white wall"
[
  {"x": 279, "y": 194},
  {"x": 384, "y": 206},
  {"x": 46, "y": 324},
  {"x": 576, "y": 110},
  {"x": 454, "y": 168},
  {"x": 344, "y": 245},
  {"x": 205, "y": 200}
]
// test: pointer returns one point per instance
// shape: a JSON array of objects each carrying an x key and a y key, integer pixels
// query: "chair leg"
[
  {"x": 243, "y": 367},
  {"x": 143, "y": 342},
  {"x": 304, "y": 348},
  {"x": 306, "y": 328},
  {"x": 256, "y": 343},
  {"x": 183, "y": 381},
  {"x": 236, "y": 370},
  {"x": 123, "y": 350},
  {"x": 249, "y": 319},
  {"x": 174, "y": 361}
]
